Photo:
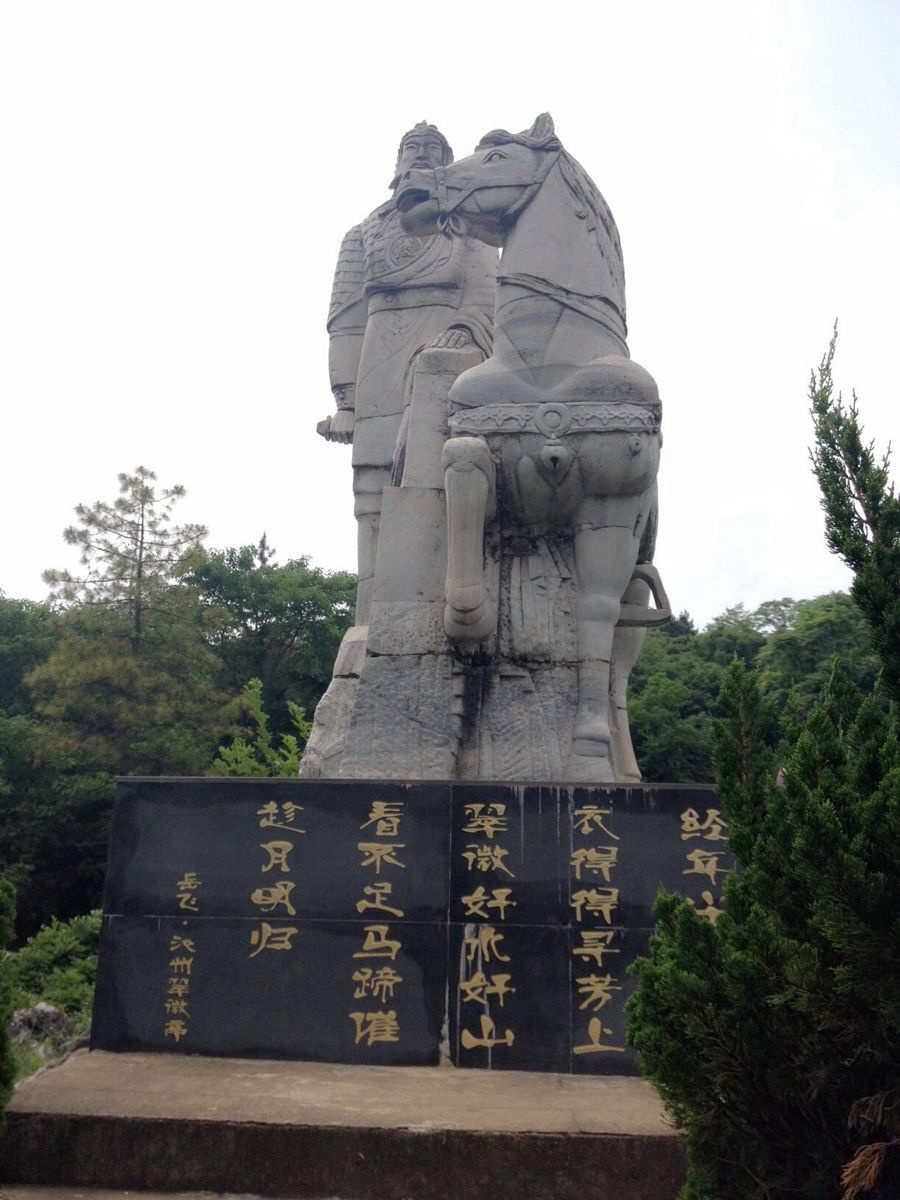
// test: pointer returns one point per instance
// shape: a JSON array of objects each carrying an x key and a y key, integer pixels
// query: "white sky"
[{"x": 177, "y": 177}]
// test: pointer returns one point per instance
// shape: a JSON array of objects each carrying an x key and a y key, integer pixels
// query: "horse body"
[{"x": 559, "y": 428}]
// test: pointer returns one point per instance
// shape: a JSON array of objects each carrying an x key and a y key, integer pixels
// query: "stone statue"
[
  {"x": 514, "y": 571},
  {"x": 394, "y": 294}
]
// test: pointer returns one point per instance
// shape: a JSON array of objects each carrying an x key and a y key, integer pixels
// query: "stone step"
[
  {"x": 306, "y": 1131},
  {"x": 27, "y": 1191}
]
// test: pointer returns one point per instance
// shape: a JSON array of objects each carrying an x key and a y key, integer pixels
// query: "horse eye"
[{"x": 495, "y": 154}]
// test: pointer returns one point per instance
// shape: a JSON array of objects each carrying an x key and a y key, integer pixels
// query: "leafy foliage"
[
  {"x": 27, "y": 636},
  {"x": 59, "y": 965},
  {"x": 676, "y": 681},
  {"x": 158, "y": 712},
  {"x": 7, "y": 1069},
  {"x": 131, "y": 683},
  {"x": 281, "y": 625},
  {"x": 252, "y": 751},
  {"x": 54, "y": 826},
  {"x": 797, "y": 658}
]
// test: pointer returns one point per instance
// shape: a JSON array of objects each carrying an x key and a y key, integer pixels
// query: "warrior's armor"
[{"x": 393, "y": 295}]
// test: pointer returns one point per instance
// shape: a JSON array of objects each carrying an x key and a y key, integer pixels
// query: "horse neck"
[{"x": 549, "y": 243}]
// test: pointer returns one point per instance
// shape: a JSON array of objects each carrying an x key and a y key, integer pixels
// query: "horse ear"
[{"x": 542, "y": 127}]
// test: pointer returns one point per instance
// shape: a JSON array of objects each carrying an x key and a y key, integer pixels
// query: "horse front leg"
[
  {"x": 628, "y": 641},
  {"x": 469, "y": 483},
  {"x": 605, "y": 556}
]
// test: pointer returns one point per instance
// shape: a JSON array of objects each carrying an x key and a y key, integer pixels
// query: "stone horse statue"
[{"x": 558, "y": 431}]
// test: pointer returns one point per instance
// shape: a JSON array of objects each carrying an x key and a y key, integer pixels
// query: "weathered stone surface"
[
  {"x": 394, "y": 294},
  {"x": 403, "y": 724},
  {"x": 527, "y": 501},
  {"x": 315, "y": 1130},
  {"x": 352, "y": 652},
  {"x": 427, "y": 419},
  {"x": 412, "y": 564},
  {"x": 325, "y": 747},
  {"x": 407, "y": 627}
]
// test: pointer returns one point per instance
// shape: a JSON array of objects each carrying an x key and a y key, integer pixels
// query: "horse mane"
[{"x": 589, "y": 203}]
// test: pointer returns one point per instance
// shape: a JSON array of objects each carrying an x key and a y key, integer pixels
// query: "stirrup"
[{"x": 640, "y": 614}]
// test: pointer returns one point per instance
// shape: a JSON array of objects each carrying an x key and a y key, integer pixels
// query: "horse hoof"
[{"x": 472, "y": 625}]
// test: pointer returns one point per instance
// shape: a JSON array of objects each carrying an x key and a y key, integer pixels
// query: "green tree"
[
  {"x": 671, "y": 693},
  {"x": 280, "y": 624},
  {"x": 772, "y": 1034},
  {"x": 862, "y": 513},
  {"x": 734, "y": 634},
  {"x": 132, "y": 686},
  {"x": 130, "y": 552},
  {"x": 58, "y": 965},
  {"x": 160, "y": 712},
  {"x": 742, "y": 1026},
  {"x": 54, "y": 826},
  {"x": 120, "y": 679},
  {"x": 7, "y": 1068},
  {"x": 253, "y": 751},
  {"x": 773, "y": 616},
  {"x": 27, "y": 636},
  {"x": 797, "y": 657}
]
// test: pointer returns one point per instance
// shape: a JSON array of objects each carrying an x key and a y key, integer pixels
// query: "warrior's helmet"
[{"x": 420, "y": 129}]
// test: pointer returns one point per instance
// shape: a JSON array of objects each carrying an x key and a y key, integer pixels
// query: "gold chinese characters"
[
  {"x": 594, "y": 900},
  {"x": 484, "y": 951},
  {"x": 705, "y": 861},
  {"x": 182, "y": 956},
  {"x": 275, "y": 895},
  {"x": 380, "y": 855}
]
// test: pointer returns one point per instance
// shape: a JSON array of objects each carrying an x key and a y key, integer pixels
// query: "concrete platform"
[
  {"x": 313, "y": 1130},
  {"x": 27, "y": 1191}
]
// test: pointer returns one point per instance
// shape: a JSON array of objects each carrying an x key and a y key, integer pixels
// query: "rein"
[{"x": 452, "y": 225}]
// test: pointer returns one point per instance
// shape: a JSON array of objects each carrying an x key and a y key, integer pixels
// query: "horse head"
[
  {"x": 526, "y": 193},
  {"x": 482, "y": 194}
]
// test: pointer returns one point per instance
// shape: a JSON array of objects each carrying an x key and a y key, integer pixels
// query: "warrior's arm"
[{"x": 346, "y": 329}]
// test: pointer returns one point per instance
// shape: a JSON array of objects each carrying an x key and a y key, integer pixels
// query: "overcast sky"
[{"x": 177, "y": 177}]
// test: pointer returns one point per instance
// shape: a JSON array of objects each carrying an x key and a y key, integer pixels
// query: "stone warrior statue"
[
  {"x": 514, "y": 572},
  {"x": 394, "y": 295}
]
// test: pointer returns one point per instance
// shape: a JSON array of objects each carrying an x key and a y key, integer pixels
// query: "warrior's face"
[{"x": 422, "y": 150}]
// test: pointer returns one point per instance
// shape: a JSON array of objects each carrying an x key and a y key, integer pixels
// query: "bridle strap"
[{"x": 449, "y": 221}]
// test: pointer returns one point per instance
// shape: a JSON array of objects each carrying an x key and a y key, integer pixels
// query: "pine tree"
[
  {"x": 130, "y": 552},
  {"x": 772, "y": 1035},
  {"x": 132, "y": 686},
  {"x": 862, "y": 513}
]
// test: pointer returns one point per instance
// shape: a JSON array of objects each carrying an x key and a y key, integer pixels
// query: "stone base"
[{"x": 170, "y": 1123}]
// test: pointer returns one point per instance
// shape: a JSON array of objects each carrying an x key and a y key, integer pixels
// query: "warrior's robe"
[{"x": 393, "y": 295}]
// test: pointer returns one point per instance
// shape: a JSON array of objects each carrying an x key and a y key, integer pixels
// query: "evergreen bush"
[
  {"x": 59, "y": 966},
  {"x": 773, "y": 1035}
]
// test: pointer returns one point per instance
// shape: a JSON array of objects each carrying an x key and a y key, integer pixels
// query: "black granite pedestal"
[{"x": 388, "y": 923}]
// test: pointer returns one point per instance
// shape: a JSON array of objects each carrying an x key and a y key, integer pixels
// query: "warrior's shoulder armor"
[{"x": 349, "y": 274}]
